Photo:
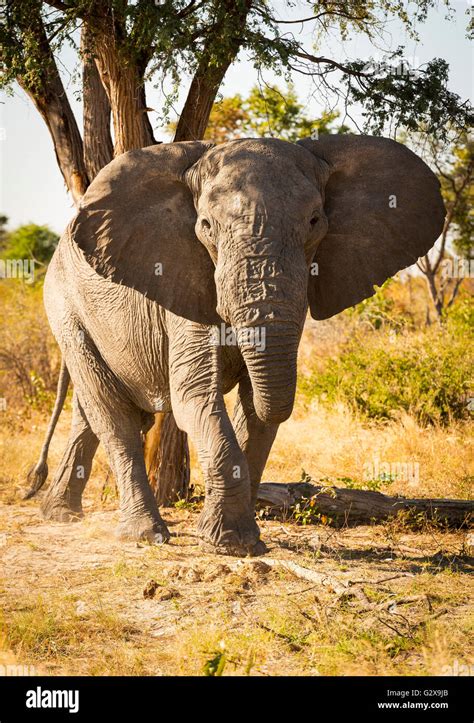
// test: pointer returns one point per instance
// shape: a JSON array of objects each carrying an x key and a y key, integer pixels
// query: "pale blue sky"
[{"x": 32, "y": 188}]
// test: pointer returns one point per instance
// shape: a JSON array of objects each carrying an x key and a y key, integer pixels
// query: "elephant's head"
[{"x": 251, "y": 230}]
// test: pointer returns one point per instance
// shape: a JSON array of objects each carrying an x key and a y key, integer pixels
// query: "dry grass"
[
  {"x": 72, "y": 596},
  {"x": 336, "y": 444}
]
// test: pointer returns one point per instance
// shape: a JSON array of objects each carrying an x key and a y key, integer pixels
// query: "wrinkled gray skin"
[{"x": 259, "y": 212}]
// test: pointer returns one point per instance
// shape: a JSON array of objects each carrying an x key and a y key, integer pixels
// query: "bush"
[
  {"x": 29, "y": 242},
  {"x": 427, "y": 373},
  {"x": 29, "y": 357},
  {"x": 460, "y": 317}
]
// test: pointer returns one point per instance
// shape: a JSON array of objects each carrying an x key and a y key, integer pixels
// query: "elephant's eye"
[
  {"x": 206, "y": 226},
  {"x": 314, "y": 220}
]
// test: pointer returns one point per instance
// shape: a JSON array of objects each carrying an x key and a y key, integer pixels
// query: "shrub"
[
  {"x": 427, "y": 373},
  {"x": 29, "y": 358},
  {"x": 29, "y": 242}
]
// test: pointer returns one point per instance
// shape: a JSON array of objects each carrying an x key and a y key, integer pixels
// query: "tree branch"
[
  {"x": 212, "y": 69},
  {"x": 320, "y": 15},
  {"x": 454, "y": 292},
  {"x": 48, "y": 95},
  {"x": 333, "y": 64}
]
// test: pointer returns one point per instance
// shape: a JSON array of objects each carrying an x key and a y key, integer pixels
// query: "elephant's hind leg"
[
  {"x": 63, "y": 500},
  {"x": 139, "y": 515},
  {"x": 117, "y": 422}
]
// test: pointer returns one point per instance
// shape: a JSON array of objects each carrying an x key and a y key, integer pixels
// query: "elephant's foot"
[
  {"x": 59, "y": 509},
  {"x": 147, "y": 528},
  {"x": 225, "y": 531}
]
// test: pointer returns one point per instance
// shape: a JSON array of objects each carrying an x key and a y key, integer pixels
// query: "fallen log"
[{"x": 342, "y": 506}]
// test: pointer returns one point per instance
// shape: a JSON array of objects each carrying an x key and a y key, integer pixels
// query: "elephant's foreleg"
[
  {"x": 63, "y": 500},
  {"x": 227, "y": 521},
  {"x": 254, "y": 436}
]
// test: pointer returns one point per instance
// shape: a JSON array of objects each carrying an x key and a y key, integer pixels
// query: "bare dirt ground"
[
  {"x": 77, "y": 601},
  {"x": 387, "y": 599}
]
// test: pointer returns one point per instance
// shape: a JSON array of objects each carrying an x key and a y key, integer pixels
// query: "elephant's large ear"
[
  {"x": 136, "y": 227},
  {"x": 384, "y": 210}
]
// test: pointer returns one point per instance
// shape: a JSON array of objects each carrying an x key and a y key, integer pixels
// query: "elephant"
[{"x": 188, "y": 270}]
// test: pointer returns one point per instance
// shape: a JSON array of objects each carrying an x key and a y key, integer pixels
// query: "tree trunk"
[
  {"x": 125, "y": 91},
  {"x": 194, "y": 118},
  {"x": 363, "y": 507},
  {"x": 436, "y": 294},
  {"x": 98, "y": 146},
  {"x": 209, "y": 75},
  {"x": 167, "y": 460}
]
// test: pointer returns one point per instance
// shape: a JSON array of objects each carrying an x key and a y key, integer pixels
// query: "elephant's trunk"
[
  {"x": 261, "y": 286},
  {"x": 272, "y": 371}
]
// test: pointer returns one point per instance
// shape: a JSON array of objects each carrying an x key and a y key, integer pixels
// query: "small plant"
[
  {"x": 193, "y": 504},
  {"x": 305, "y": 477},
  {"x": 215, "y": 666},
  {"x": 384, "y": 479},
  {"x": 305, "y": 512}
]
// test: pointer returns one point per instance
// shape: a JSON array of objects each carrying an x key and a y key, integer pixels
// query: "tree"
[
  {"x": 444, "y": 275},
  {"x": 29, "y": 242},
  {"x": 119, "y": 41},
  {"x": 3, "y": 229},
  {"x": 123, "y": 44},
  {"x": 267, "y": 111}
]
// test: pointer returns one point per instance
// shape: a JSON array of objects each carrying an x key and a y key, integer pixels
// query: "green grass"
[{"x": 426, "y": 373}]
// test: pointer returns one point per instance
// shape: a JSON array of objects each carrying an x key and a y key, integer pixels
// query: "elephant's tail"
[{"x": 38, "y": 474}]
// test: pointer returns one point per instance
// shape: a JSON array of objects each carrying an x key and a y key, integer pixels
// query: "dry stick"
[
  {"x": 340, "y": 587},
  {"x": 387, "y": 604},
  {"x": 293, "y": 646},
  {"x": 319, "y": 578},
  {"x": 300, "y": 592},
  {"x": 393, "y": 629},
  {"x": 384, "y": 579}
]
